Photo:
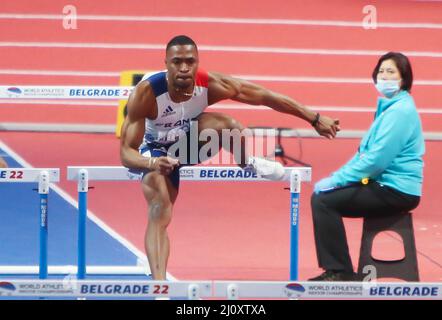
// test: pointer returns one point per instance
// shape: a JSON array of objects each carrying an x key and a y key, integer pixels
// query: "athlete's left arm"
[{"x": 223, "y": 87}]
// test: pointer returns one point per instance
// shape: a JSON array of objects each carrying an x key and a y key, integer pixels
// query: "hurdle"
[
  {"x": 42, "y": 176},
  {"x": 84, "y": 174}
]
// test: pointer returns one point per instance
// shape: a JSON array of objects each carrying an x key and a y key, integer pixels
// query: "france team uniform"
[{"x": 173, "y": 118}]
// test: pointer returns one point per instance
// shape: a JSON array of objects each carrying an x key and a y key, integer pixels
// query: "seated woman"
[{"x": 383, "y": 178}]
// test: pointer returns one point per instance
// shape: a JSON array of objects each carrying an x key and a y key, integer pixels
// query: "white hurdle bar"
[
  {"x": 84, "y": 174},
  {"x": 42, "y": 176}
]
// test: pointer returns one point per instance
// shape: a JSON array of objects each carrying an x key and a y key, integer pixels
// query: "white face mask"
[{"x": 388, "y": 87}]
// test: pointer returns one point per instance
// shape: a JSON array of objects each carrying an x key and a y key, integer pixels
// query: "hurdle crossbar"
[
  {"x": 42, "y": 176},
  {"x": 196, "y": 173},
  {"x": 28, "y": 174},
  {"x": 84, "y": 174}
]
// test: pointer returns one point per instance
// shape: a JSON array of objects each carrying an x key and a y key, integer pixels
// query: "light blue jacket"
[{"x": 392, "y": 149}]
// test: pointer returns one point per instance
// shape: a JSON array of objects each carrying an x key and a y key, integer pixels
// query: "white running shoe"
[{"x": 267, "y": 169}]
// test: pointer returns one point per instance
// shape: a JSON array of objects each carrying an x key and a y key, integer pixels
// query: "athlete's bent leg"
[
  {"x": 271, "y": 170},
  {"x": 160, "y": 194},
  {"x": 219, "y": 121}
]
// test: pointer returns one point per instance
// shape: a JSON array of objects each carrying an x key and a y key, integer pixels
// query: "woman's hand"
[{"x": 325, "y": 184}]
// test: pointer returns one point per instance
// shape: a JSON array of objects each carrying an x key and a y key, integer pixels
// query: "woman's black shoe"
[{"x": 331, "y": 275}]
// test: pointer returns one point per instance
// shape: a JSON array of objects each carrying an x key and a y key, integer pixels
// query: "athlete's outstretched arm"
[
  {"x": 139, "y": 107},
  {"x": 225, "y": 87}
]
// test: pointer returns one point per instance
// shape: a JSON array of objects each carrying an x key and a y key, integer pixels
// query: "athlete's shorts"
[{"x": 158, "y": 150}]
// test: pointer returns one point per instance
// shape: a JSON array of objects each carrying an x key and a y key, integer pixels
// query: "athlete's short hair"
[{"x": 180, "y": 40}]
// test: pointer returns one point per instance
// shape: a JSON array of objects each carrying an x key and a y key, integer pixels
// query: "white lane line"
[
  {"x": 319, "y": 108},
  {"x": 327, "y": 80},
  {"x": 250, "y": 77},
  {"x": 233, "y": 106},
  {"x": 26, "y": 72},
  {"x": 241, "y": 49},
  {"x": 80, "y": 128},
  {"x": 57, "y": 102},
  {"x": 224, "y": 20}
]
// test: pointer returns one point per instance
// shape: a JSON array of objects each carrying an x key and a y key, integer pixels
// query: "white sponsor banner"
[
  {"x": 328, "y": 290},
  {"x": 65, "y": 92},
  {"x": 70, "y": 287}
]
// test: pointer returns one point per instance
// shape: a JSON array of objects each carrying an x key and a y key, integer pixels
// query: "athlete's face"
[{"x": 182, "y": 64}]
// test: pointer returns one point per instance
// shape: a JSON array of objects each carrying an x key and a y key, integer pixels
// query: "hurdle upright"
[
  {"x": 84, "y": 174},
  {"x": 43, "y": 177}
]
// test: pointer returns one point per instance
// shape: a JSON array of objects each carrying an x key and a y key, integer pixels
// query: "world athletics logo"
[
  {"x": 294, "y": 290},
  {"x": 14, "y": 91},
  {"x": 7, "y": 286}
]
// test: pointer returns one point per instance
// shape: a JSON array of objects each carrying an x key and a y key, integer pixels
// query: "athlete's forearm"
[
  {"x": 284, "y": 104},
  {"x": 131, "y": 158},
  {"x": 257, "y": 95}
]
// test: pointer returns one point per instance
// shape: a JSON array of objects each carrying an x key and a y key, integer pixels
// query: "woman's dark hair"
[{"x": 403, "y": 65}]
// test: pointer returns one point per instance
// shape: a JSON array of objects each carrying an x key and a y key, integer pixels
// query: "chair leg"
[{"x": 406, "y": 268}]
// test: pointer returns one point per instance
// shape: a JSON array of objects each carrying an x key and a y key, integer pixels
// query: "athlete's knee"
[
  {"x": 160, "y": 209},
  {"x": 227, "y": 122},
  {"x": 159, "y": 198},
  {"x": 160, "y": 212},
  {"x": 218, "y": 121},
  {"x": 157, "y": 182}
]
